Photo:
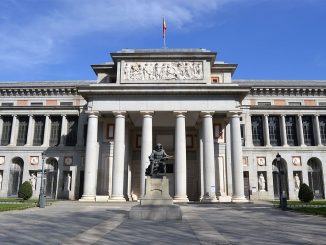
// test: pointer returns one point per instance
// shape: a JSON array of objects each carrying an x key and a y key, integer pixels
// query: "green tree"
[
  {"x": 305, "y": 193},
  {"x": 25, "y": 190}
]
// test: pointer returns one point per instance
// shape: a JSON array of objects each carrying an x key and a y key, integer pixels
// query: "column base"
[
  {"x": 238, "y": 199},
  {"x": 117, "y": 199},
  {"x": 101, "y": 198},
  {"x": 87, "y": 198},
  {"x": 178, "y": 199},
  {"x": 209, "y": 199},
  {"x": 224, "y": 199}
]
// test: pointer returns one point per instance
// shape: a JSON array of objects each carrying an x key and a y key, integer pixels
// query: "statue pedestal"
[{"x": 156, "y": 204}]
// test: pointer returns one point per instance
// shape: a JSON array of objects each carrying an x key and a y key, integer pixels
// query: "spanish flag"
[{"x": 164, "y": 27}]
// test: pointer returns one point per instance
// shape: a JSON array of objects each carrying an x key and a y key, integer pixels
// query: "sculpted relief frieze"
[{"x": 141, "y": 71}]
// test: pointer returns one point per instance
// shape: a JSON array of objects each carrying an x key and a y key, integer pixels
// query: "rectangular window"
[
  {"x": 7, "y": 104},
  {"x": 274, "y": 130},
  {"x": 85, "y": 133},
  {"x": 295, "y": 103},
  {"x": 38, "y": 130},
  {"x": 36, "y": 103},
  {"x": 322, "y": 103},
  {"x": 257, "y": 130},
  {"x": 322, "y": 125},
  {"x": 6, "y": 130},
  {"x": 72, "y": 126},
  {"x": 66, "y": 103},
  {"x": 308, "y": 134},
  {"x": 22, "y": 131},
  {"x": 242, "y": 131},
  {"x": 110, "y": 131},
  {"x": 291, "y": 130},
  {"x": 264, "y": 103},
  {"x": 55, "y": 130}
]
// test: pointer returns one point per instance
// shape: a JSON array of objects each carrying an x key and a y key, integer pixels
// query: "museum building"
[{"x": 230, "y": 140}]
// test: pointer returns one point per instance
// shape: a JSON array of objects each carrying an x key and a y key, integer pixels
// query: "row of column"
[
  {"x": 180, "y": 165},
  {"x": 47, "y": 130},
  {"x": 284, "y": 133}
]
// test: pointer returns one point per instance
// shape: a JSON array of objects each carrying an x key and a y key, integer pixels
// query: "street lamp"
[{"x": 42, "y": 197}]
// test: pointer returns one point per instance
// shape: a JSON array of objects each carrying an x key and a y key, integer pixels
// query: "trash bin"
[{"x": 42, "y": 201}]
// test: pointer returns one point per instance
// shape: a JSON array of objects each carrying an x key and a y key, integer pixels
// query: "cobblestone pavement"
[{"x": 68, "y": 222}]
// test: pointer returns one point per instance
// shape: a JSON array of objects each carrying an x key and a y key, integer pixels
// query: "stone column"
[
  {"x": 283, "y": 132},
  {"x": 13, "y": 130},
  {"x": 30, "y": 131},
  {"x": 300, "y": 131},
  {"x": 47, "y": 129},
  {"x": 146, "y": 147},
  {"x": 91, "y": 158},
  {"x": 201, "y": 161},
  {"x": 317, "y": 131},
  {"x": 64, "y": 125},
  {"x": 209, "y": 161},
  {"x": 266, "y": 131},
  {"x": 118, "y": 157},
  {"x": 236, "y": 156},
  {"x": 180, "y": 165}
]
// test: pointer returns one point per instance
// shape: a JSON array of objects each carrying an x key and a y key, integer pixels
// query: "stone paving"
[{"x": 67, "y": 222}]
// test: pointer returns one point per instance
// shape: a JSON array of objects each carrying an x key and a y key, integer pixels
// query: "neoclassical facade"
[{"x": 95, "y": 137}]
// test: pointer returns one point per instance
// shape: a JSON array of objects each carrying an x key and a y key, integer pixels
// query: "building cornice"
[{"x": 288, "y": 91}]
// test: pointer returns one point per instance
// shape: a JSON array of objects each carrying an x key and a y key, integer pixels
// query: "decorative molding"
[
  {"x": 2, "y": 160},
  {"x": 261, "y": 161},
  {"x": 144, "y": 71},
  {"x": 23, "y": 92},
  {"x": 296, "y": 161},
  {"x": 68, "y": 160},
  {"x": 295, "y": 92},
  {"x": 34, "y": 160}
]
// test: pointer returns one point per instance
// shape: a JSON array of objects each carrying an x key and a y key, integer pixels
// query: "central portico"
[{"x": 180, "y": 98}]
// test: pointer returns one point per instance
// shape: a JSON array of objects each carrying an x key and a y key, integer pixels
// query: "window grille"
[
  {"x": 274, "y": 130},
  {"x": 22, "y": 131},
  {"x": 257, "y": 130},
  {"x": 291, "y": 130},
  {"x": 71, "y": 138},
  {"x": 6, "y": 130},
  {"x": 39, "y": 131},
  {"x": 55, "y": 130}
]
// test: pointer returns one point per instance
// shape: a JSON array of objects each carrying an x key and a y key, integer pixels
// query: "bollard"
[
  {"x": 42, "y": 201},
  {"x": 284, "y": 201}
]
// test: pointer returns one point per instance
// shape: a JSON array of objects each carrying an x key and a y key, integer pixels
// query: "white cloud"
[{"x": 29, "y": 39}]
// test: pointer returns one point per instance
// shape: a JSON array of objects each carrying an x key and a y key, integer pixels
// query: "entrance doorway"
[
  {"x": 51, "y": 169},
  {"x": 280, "y": 178},
  {"x": 315, "y": 176}
]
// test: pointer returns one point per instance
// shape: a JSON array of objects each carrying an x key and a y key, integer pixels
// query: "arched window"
[
  {"x": 15, "y": 176},
  {"x": 315, "y": 177}
]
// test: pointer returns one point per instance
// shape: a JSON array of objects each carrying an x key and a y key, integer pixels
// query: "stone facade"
[{"x": 224, "y": 134}]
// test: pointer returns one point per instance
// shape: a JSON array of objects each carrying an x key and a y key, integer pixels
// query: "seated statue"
[{"x": 157, "y": 166}]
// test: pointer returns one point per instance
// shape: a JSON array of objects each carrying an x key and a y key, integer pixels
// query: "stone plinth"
[{"x": 156, "y": 204}]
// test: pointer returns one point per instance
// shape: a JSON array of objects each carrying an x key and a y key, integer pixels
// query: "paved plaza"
[{"x": 67, "y": 222}]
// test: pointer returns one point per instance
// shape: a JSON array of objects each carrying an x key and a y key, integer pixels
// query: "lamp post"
[
  {"x": 283, "y": 198},
  {"x": 42, "y": 197}
]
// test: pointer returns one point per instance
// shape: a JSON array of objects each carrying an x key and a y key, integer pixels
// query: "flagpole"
[{"x": 164, "y": 33}]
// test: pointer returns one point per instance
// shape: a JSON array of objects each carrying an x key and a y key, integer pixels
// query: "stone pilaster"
[
  {"x": 80, "y": 130},
  {"x": 91, "y": 158},
  {"x": 180, "y": 165},
  {"x": 118, "y": 157},
  {"x": 236, "y": 156},
  {"x": 146, "y": 147},
  {"x": 1, "y": 126},
  {"x": 209, "y": 161},
  {"x": 201, "y": 161},
  {"x": 283, "y": 132},
  {"x": 248, "y": 131}
]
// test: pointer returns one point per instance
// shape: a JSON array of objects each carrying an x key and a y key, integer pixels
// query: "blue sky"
[{"x": 60, "y": 39}]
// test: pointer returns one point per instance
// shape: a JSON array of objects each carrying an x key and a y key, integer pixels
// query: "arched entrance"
[
  {"x": 280, "y": 177},
  {"x": 51, "y": 169},
  {"x": 315, "y": 177},
  {"x": 15, "y": 176}
]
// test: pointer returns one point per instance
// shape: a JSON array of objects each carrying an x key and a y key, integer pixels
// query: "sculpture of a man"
[
  {"x": 157, "y": 166},
  {"x": 67, "y": 182},
  {"x": 297, "y": 181},
  {"x": 0, "y": 180},
  {"x": 261, "y": 182},
  {"x": 33, "y": 181}
]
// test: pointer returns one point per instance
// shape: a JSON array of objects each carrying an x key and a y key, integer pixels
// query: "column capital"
[
  {"x": 207, "y": 113},
  {"x": 180, "y": 113},
  {"x": 283, "y": 115},
  {"x": 147, "y": 113},
  {"x": 299, "y": 115},
  {"x": 234, "y": 113},
  {"x": 119, "y": 113},
  {"x": 92, "y": 113},
  {"x": 316, "y": 115},
  {"x": 266, "y": 115}
]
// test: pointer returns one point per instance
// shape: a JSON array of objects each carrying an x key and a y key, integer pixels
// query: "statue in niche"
[
  {"x": 297, "y": 182},
  {"x": 157, "y": 166},
  {"x": 67, "y": 185},
  {"x": 32, "y": 180},
  {"x": 261, "y": 182}
]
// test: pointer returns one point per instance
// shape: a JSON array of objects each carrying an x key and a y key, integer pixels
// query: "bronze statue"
[{"x": 157, "y": 166}]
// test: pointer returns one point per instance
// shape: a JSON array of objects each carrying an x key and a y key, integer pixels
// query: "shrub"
[
  {"x": 305, "y": 193},
  {"x": 25, "y": 190}
]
